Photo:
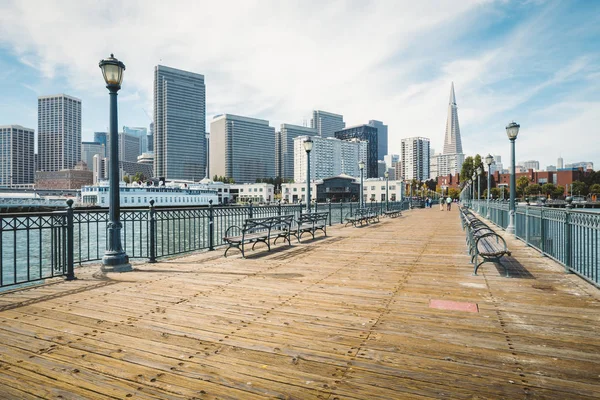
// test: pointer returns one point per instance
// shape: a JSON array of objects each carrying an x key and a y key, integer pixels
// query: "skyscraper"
[
  {"x": 452, "y": 142},
  {"x": 16, "y": 155},
  {"x": 59, "y": 132},
  {"x": 241, "y": 148},
  {"x": 414, "y": 158},
  {"x": 102, "y": 138},
  {"x": 382, "y": 138},
  {"x": 365, "y": 133},
  {"x": 89, "y": 150},
  {"x": 141, "y": 133},
  {"x": 284, "y": 148},
  {"x": 327, "y": 123},
  {"x": 179, "y": 124}
]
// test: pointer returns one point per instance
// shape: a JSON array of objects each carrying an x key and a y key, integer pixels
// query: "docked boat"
[{"x": 140, "y": 194}]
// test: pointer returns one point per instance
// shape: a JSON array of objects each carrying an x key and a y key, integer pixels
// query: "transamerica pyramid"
[{"x": 452, "y": 143}]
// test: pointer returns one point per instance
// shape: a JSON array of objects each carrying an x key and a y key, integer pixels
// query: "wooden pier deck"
[{"x": 351, "y": 316}]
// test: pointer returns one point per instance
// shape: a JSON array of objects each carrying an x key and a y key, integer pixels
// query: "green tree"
[
  {"x": 522, "y": 183},
  {"x": 466, "y": 172},
  {"x": 595, "y": 188},
  {"x": 126, "y": 179},
  {"x": 453, "y": 193},
  {"x": 579, "y": 188},
  {"x": 559, "y": 191},
  {"x": 533, "y": 189},
  {"x": 496, "y": 193},
  {"x": 549, "y": 189}
]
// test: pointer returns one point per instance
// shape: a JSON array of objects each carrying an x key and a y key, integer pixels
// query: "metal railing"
[
  {"x": 41, "y": 245},
  {"x": 568, "y": 236}
]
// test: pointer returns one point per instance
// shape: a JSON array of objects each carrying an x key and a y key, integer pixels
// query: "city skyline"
[{"x": 507, "y": 60}]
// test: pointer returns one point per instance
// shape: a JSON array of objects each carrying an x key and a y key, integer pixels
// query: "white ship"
[{"x": 139, "y": 195}]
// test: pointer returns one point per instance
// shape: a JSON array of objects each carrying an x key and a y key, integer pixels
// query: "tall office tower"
[
  {"x": 284, "y": 148},
  {"x": 179, "y": 124},
  {"x": 382, "y": 138},
  {"x": 129, "y": 147},
  {"x": 241, "y": 148},
  {"x": 415, "y": 158},
  {"x": 89, "y": 150},
  {"x": 59, "y": 132},
  {"x": 391, "y": 160},
  {"x": 141, "y": 133},
  {"x": 560, "y": 164},
  {"x": 329, "y": 157},
  {"x": 99, "y": 170},
  {"x": 497, "y": 164},
  {"x": 452, "y": 142},
  {"x": 531, "y": 164},
  {"x": 150, "y": 138},
  {"x": 102, "y": 138},
  {"x": 327, "y": 123},
  {"x": 365, "y": 133},
  {"x": 16, "y": 155}
]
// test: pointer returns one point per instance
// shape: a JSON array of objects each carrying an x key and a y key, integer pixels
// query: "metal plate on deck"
[{"x": 453, "y": 305}]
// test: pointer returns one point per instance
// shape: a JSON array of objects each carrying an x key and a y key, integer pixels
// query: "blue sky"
[{"x": 535, "y": 62}]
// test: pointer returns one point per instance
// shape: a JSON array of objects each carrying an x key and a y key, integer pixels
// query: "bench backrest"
[
  {"x": 312, "y": 218},
  {"x": 265, "y": 224}
]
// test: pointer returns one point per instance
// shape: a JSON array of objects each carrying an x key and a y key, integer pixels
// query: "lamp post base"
[
  {"x": 116, "y": 262},
  {"x": 510, "y": 229}
]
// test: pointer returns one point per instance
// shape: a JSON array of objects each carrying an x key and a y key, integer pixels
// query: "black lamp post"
[
  {"x": 479, "y": 171},
  {"x": 488, "y": 160},
  {"x": 474, "y": 183},
  {"x": 115, "y": 259},
  {"x": 387, "y": 185},
  {"x": 512, "y": 130},
  {"x": 361, "y": 166},
  {"x": 308, "y": 145}
]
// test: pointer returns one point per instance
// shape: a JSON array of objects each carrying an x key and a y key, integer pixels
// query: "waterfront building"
[
  {"x": 241, "y": 148},
  {"x": 364, "y": 133},
  {"x": 179, "y": 124},
  {"x": 295, "y": 192},
  {"x": 64, "y": 179},
  {"x": 374, "y": 190},
  {"x": 329, "y": 157},
  {"x": 327, "y": 123},
  {"x": 141, "y": 133},
  {"x": 257, "y": 193},
  {"x": 414, "y": 158},
  {"x": 16, "y": 155},
  {"x": 284, "y": 148},
  {"x": 382, "y": 138},
  {"x": 59, "y": 132},
  {"x": 89, "y": 150}
]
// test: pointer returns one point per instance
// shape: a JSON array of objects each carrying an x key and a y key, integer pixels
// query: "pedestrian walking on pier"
[
  {"x": 449, "y": 203},
  {"x": 442, "y": 201}
]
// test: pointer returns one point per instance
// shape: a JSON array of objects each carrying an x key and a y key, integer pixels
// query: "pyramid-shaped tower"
[{"x": 452, "y": 143}]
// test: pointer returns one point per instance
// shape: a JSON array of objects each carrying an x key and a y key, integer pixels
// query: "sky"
[{"x": 533, "y": 62}]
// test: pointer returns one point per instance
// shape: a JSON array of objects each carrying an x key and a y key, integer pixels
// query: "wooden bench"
[
  {"x": 311, "y": 222},
  {"x": 483, "y": 241},
  {"x": 259, "y": 230},
  {"x": 360, "y": 216}
]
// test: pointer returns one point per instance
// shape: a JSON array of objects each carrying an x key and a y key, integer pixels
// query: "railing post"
[
  {"x": 329, "y": 204},
  {"x": 152, "y": 233},
  {"x": 250, "y": 211},
  {"x": 211, "y": 225},
  {"x": 568, "y": 235},
  {"x": 70, "y": 244},
  {"x": 542, "y": 231},
  {"x": 279, "y": 208}
]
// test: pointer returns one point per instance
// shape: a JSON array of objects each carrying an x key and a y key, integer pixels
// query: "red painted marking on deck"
[{"x": 453, "y": 305}]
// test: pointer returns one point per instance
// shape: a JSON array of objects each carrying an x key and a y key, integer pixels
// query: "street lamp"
[
  {"x": 512, "y": 130},
  {"x": 115, "y": 259},
  {"x": 479, "y": 171},
  {"x": 488, "y": 160},
  {"x": 473, "y": 189},
  {"x": 387, "y": 185},
  {"x": 361, "y": 166},
  {"x": 308, "y": 145}
]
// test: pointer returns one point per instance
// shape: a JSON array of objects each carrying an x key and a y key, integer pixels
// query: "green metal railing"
[
  {"x": 38, "y": 246},
  {"x": 568, "y": 236}
]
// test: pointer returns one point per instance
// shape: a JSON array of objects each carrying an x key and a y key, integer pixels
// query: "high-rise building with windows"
[
  {"x": 59, "y": 132},
  {"x": 364, "y": 133},
  {"x": 16, "y": 155},
  {"x": 102, "y": 138},
  {"x": 284, "y": 148},
  {"x": 179, "y": 124},
  {"x": 89, "y": 150},
  {"x": 327, "y": 123},
  {"x": 241, "y": 148},
  {"x": 530, "y": 164},
  {"x": 141, "y": 133},
  {"x": 414, "y": 159},
  {"x": 329, "y": 157},
  {"x": 382, "y": 138}
]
